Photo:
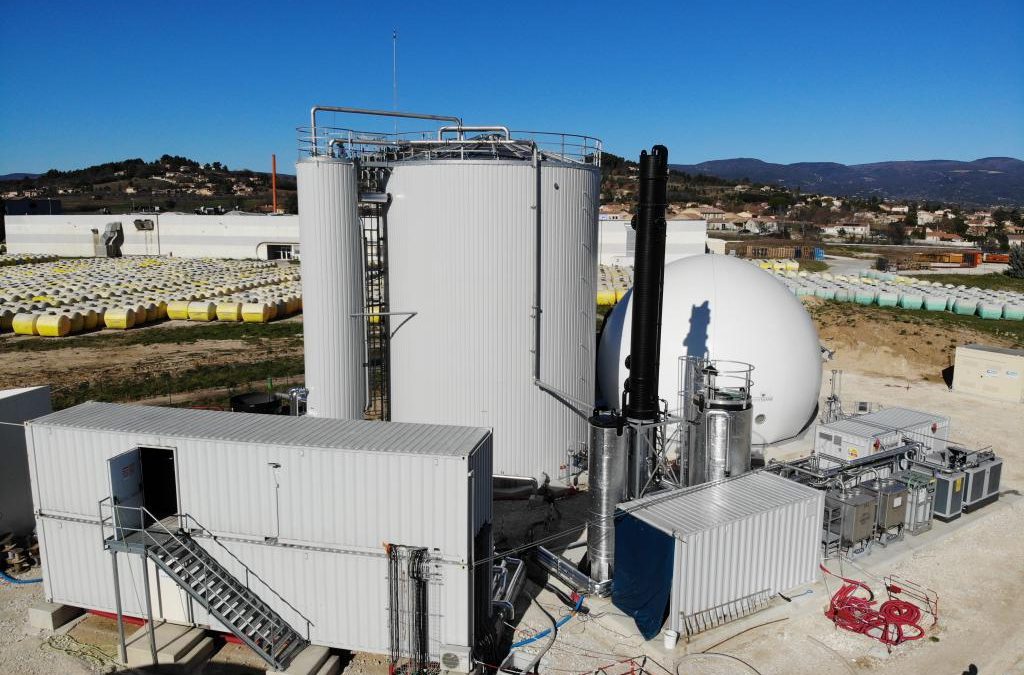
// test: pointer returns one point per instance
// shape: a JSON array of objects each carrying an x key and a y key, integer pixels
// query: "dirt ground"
[
  {"x": 897, "y": 345},
  {"x": 92, "y": 360}
]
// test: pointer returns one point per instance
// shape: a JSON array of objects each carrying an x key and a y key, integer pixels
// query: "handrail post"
[{"x": 149, "y": 608}]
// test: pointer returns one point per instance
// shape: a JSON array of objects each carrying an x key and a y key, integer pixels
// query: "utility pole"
[{"x": 273, "y": 180}]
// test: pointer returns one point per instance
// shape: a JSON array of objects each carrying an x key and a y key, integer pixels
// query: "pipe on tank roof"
[
  {"x": 378, "y": 113},
  {"x": 459, "y": 128}
]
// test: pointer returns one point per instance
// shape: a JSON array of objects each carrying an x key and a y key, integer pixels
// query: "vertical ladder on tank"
[{"x": 373, "y": 203}]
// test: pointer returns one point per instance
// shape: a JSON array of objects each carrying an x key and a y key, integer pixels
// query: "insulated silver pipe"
[
  {"x": 606, "y": 471},
  {"x": 366, "y": 111}
]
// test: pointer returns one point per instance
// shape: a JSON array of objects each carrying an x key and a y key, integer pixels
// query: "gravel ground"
[{"x": 973, "y": 564}]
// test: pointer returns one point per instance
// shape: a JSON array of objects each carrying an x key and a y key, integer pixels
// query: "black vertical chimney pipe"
[{"x": 641, "y": 395}]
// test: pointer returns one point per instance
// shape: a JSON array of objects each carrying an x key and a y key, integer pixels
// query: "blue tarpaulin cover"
[{"x": 642, "y": 583}]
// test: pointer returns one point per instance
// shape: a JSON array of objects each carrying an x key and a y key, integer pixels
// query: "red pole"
[{"x": 273, "y": 179}]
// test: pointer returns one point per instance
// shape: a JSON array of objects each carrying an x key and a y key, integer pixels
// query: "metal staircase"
[{"x": 227, "y": 598}]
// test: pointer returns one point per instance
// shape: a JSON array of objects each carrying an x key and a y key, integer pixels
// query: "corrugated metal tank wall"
[
  {"x": 332, "y": 293},
  {"x": 461, "y": 255}
]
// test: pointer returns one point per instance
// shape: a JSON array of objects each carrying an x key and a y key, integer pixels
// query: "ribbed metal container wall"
[
  {"x": 331, "y": 251},
  {"x": 461, "y": 255},
  {"x": 341, "y": 488},
  {"x": 775, "y": 550},
  {"x": 754, "y": 534}
]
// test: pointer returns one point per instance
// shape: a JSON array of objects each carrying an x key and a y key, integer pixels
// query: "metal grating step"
[{"x": 226, "y": 598}]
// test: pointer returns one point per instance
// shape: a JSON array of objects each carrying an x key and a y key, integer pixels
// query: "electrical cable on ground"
[
  {"x": 719, "y": 655},
  {"x": 18, "y": 582},
  {"x": 895, "y": 621}
]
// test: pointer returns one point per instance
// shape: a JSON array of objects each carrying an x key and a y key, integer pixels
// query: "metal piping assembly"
[
  {"x": 366, "y": 111},
  {"x": 607, "y": 485}
]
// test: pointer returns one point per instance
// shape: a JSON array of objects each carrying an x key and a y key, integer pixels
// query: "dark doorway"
[{"x": 159, "y": 485}]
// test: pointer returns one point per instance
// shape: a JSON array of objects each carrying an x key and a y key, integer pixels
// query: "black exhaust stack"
[{"x": 640, "y": 397}]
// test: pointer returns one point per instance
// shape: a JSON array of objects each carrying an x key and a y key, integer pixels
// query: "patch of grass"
[
  {"x": 993, "y": 282},
  {"x": 813, "y": 266},
  {"x": 152, "y": 335},
  {"x": 227, "y": 376}
]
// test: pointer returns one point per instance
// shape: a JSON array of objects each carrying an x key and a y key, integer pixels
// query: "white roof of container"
[
  {"x": 682, "y": 513},
  {"x": 994, "y": 350},
  {"x": 883, "y": 421},
  {"x": 311, "y": 432}
]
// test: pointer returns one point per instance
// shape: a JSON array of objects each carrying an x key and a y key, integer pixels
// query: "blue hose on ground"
[
  {"x": 561, "y": 622},
  {"x": 12, "y": 580}
]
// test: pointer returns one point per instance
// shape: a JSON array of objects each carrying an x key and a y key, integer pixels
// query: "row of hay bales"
[
  {"x": 883, "y": 289},
  {"x": 612, "y": 283},
  {"x": 25, "y": 258},
  {"x": 783, "y": 265},
  {"x": 62, "y": 298}
]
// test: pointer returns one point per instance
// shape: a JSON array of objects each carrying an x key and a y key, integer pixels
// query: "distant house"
[
  {"x": 939, "y": 236},
  {"x": 1015, "y": 239},
  {"x": 847, "y": 230},
  {"x": 899, "y": 208},
  {"x": 712, "y": 214}
]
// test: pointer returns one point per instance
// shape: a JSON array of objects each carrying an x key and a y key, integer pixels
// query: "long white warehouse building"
[{"x": 241, "y": 236}]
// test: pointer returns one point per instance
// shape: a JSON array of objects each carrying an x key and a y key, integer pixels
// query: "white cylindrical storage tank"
[
  {"x": 461, "y": 248},
  {"x": 724, "y": 308},
  {"x": 331, "y": 254}
]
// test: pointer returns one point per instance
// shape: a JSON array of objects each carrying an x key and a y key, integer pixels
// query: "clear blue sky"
[{"x": 83, "y": 83}]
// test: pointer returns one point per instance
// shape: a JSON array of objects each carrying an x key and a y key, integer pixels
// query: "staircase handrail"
[{"x": 248, "y": 570}]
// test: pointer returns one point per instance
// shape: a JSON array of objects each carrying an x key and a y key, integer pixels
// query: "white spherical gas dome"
[{"x": 731, "y": 310}]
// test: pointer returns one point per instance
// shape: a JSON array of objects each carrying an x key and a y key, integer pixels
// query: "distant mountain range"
[
  {"x": 17, "y": 176},
  {"x": 988, "y": 182}
]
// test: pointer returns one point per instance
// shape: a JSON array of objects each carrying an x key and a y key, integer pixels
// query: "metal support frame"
[
  {"x": 120, "y": 614},
  {"x": 149, "y": 609}
]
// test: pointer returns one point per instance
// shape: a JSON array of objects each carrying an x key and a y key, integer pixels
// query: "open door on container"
[{"x": 126, "y": 492}]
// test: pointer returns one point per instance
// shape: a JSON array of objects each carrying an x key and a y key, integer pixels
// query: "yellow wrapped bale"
[
  {"x": 24, "y": 323},
  {"x": 119, "y": 318},
  {"x": 177, "y": 310},
  {"x": 53, "y": 325},
  {"x": 202, "y": 311},
  {"x": 257, "y": 312},
  {"x": 229, "y": 311}
]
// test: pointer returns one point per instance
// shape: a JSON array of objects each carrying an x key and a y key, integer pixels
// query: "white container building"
[
  {"x": 306, "y": 504},
  {"x": 182, "y": 235},
  {"x": 860, "y": 436},
  {"x": 992, "y": 372},
  {"x": 715, "y": 552},
  {"x": 17, "y": 406}
]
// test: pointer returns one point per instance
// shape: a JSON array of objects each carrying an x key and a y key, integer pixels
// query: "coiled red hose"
[{"x": 894, "y": 622}]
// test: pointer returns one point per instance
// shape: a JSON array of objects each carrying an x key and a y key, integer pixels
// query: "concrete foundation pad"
[
  {"x": 203, "y": 650},
  {"x": 332, "y": 666},
  {"x": 51, "y": 616},
  {"x": 173, "y": 644},
  {"x": 307, "y": 662}
]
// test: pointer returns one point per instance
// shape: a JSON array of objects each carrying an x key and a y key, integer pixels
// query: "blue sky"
[{"x": 82, "y": 83}]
